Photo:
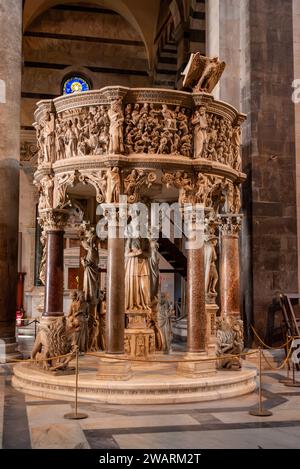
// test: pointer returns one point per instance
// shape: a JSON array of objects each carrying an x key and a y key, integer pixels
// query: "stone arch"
[{"x": 142, "y": 19}]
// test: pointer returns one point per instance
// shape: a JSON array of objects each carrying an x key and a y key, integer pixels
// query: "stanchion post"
[
  {"x": 75, "y": 415},
  {"x": 293, "y": 383},
  {"x": 260, "y": 412},
  {"x": 287, "y": 379}
]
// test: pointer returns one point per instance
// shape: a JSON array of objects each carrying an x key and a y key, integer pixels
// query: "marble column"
[
  {"x": 10, "y": 97},
  {"x": 54, "y": 223},
  {"x": 196, "y": 320},
  {"x": 230, "y": 267},
  {"x": 115, "y": 306}
]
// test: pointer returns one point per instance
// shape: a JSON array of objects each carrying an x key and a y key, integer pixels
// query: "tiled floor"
[{"x": 30, "y": 422}]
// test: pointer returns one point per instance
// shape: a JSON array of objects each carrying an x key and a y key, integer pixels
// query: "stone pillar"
[
  {"x": 115, "y": 306},
  {"x": 54, "y": 222},
  {"x": 230, "y": 266},
  {"x": 196, "y": 363},
  {"x": 10, "y": 96},
  {"x": 196, "y": 320}
]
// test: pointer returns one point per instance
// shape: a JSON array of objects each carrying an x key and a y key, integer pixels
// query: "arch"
[{"x": 142, "y": 18}]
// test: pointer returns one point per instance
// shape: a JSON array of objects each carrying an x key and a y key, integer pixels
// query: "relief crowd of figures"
[{"x": 138, "y": 128}]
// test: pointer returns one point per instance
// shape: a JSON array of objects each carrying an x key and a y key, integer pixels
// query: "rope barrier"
[
  {"x": 28, "y": 360},
  {"x": 282, "y": 364},
  {"x": 268, "y": 346}
]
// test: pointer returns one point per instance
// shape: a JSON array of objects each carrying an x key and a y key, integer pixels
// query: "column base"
[
  {"x": 196, "y": 369},
  {"x": 113, "y": 370},
  {"x": 9, "y": 350}
]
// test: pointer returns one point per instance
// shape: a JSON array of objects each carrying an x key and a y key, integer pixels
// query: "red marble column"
[
  {"x": 230, "y": 266},
  {"x": 54, "y": 285},
  {"x": 196, "y": 320},
  {"x": 115, "y": 306},
  {"x": 54, "y": 221}
]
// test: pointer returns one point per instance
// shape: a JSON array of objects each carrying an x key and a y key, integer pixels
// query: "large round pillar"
[
  {"x": 54, "y": 286},
  {"x": 196, "y": 319},
  {"x": 230, "y": 265},
  {"x": 54, "y": 222},
  {"x": 115, "y": 306},
  {"x": 10, "y": 97}
]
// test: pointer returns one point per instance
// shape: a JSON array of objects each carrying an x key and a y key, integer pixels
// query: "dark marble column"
[
  {"x": 196, "y": 320},
  {"x": 230, "y": 266},
  {"x": 115, "y": 308},
  {"x": 10, "y": 97},
  {"x": 54, "y": 287},
  {"x": 54, "y": 222}
]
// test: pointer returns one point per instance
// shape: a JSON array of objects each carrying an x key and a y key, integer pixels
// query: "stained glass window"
[{"x": 75, "y": 84}]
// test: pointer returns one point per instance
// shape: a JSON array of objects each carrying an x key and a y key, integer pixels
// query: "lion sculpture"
[
  {"x": 53, "y": 341},
  {"x": 230, "y": 341}
]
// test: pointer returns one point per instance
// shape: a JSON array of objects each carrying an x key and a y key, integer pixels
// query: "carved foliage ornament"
[
  {"x": 206, "y": 189},
  {"x": 135, "y": 180}
]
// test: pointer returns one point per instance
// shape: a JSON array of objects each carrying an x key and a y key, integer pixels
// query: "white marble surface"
[
  {"x": 286, "y": 437},
  {"x": 119, "y": 421},
  {"x": 49, "y": 429}
]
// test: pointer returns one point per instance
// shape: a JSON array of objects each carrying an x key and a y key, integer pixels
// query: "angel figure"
[{"x": 202, "y": 73}]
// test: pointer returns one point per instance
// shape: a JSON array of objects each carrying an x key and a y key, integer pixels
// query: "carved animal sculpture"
[
  {"x": 230, "y": 341},
  {"x": 54, "y": 340}
]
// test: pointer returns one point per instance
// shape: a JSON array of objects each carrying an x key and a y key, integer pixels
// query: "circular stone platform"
[{"x": 154, "y": 383}]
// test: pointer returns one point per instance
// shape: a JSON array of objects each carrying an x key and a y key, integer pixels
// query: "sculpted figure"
[
  {"x": 140, "y": 346},
  {"x": 236, "y": 199},
  {"x": 169, "y": 118},
  {"x": 47, "y": 185},
  {"x": 211, "y": 272},
  {"x": 202, "y": 73},
  {"x": 164, "y": 322},
  {"x": 137, "y": 276},
  {"x": 79, "y": 313},
  {"x": 116, "y": 118},
  {"x": 113, "y": 185},
  {"x": 71, "y": 141},
  {"x": 199, "y": 122},
  {"x": 48, "y": 137},
  {"x": 94, "y": 329},
  {"x": 236, "y": 145},
  {"x": 42, "y": 274},
  {"x": 53, "y": 340},
  {"x": 90, "y": 263}
]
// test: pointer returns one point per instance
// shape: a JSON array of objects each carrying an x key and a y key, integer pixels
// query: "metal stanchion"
[
  {"x": 75, "y": 415},
  {"x": 293, "y": 383},
  {"x": 260, "y": 412},
  {"x": 287, "y": 379}
]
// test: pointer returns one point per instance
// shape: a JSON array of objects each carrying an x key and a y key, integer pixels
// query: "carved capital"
[
  {"x": 230, "y": 224},
  {"x": 53, "y": 219}
]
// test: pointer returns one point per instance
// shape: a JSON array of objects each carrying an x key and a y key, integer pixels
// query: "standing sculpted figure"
[
  {"x": 211, "y": 272},
  {"x": 236, "y": 146},
  {"x": 113, "y": 183},
  {"x": 200, "y": 124},
  {"x": 116, "y": 118},
  {"x": 48, "y": 138},
  {"x": 137, "y": 276},
  {"x": 90, "y": 263},
  {"x": 79, "y": 315}
]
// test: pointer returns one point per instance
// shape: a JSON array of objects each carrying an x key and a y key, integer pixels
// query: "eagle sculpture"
[{"x": 202, "y": 73}]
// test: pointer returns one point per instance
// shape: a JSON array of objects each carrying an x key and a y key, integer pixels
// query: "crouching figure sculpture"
[{"x": 54, "y": 345}]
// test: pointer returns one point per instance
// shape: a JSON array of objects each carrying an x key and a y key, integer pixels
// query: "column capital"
[
  {"x": 53, "y": 219},
  {"x": 230, "y": 224}
]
